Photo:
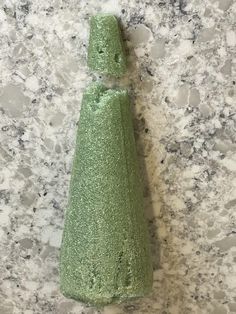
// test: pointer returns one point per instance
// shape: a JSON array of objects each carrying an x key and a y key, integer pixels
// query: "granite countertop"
[{"x": 182, "y": 82}]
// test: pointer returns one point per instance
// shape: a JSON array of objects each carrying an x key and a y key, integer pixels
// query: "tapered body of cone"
[
  {"x": 105, "y": 254},
  {"x": 105, "y": 52}
]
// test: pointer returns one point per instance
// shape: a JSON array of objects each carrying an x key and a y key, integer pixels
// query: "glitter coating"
[
  {"x": 105, "y": 254},
  {"x": 105, "y": 52}
]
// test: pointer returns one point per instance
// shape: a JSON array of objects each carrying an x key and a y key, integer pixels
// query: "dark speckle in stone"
[
  {"x": 25, "y": 8},
  {"x": 167, "y": 100},
  {"x": 5, "y": 196},
  {"x": 230, "y": 204},
  {"x": 131, "y": 308},
  {"x": 172, "y": 147},
  {"x": 149, "y": 72},
  {"x": 55, "y": 204},
  {"x": 136, "y": 19},
  {"x": 42, "y": 90},
  {"x": 5, "y": 128},
  {"x": 49, "y": 97},
  {"x": 27, "y": 257},
  {"x": 182, "y": 5},
  {"x": 30, "y": 36},
  {"x": 9, "y": 12},
  {"x": 142, "y": 120},
  {"x": 21, "y": 143},
  {"x": 50, "y": 9}
]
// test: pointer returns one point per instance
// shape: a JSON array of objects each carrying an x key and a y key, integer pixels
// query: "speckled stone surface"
[{"x": 182, "y": 81}]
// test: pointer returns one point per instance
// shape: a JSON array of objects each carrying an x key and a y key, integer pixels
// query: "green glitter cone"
[
  {"x": 105, "y": 52},
  {"x": 105, "y": 254}
]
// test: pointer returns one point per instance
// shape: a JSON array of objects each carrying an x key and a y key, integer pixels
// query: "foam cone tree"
[
  {"x": 106, "y": 50},
  {"x": 105, "y": 254}
]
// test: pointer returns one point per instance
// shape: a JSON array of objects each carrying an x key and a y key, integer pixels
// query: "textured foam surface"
[
  {"x": 106, "y": 53},
  {"x": 105, "y": 254}
]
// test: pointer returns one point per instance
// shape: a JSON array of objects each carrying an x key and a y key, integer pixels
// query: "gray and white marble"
[{"x": 181, "y": 78}]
